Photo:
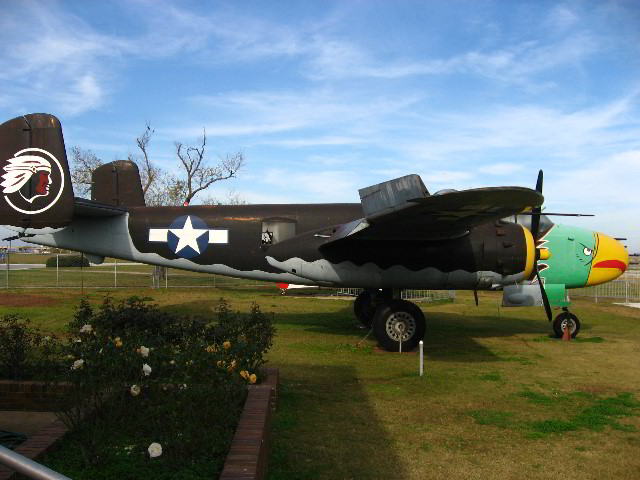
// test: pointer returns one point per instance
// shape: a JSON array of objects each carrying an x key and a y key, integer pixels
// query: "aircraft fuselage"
[{"x": 249, "y": 241}]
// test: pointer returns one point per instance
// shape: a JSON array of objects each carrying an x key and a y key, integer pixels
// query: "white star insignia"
[{"x": 188, "y": 236}]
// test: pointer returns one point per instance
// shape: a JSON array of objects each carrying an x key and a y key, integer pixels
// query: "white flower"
[
  {"x": 144, "y": 351},
  {"x": 77, "y": 340},
  {"x": 101, "y": 350},
  {"x": 77, "y": 364},
  {"x": 183, "y": 386},
  {"x": 47, "y": 338},
  {"x": 86, "y": 328},
  {"x": 135, "y": 390},
  {"x": 172, "y": 362},
  {"x": 155, "y": 450},
  {"x": 146, "y": 369}
]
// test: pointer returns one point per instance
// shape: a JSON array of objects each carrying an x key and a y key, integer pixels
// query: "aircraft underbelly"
[{"x": 397, "y": 276}]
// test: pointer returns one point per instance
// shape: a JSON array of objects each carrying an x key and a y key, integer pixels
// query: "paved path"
[
  {"x": 29, "y": 423},
  {"x": 21, "y": 266},
  {"x": 633, "y": 305}
]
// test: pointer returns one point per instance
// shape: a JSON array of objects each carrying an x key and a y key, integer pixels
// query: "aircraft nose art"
[{"x": 610, "y": 261}]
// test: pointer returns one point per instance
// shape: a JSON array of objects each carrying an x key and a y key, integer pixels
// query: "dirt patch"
[
  {"x": 21, "y": 300},
  {"x": 599, "y": 389}
]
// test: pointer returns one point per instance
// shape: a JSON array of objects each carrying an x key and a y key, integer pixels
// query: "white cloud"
[
  {"x": 501, "y": 168},
  {"x": 319, "y": 186}
]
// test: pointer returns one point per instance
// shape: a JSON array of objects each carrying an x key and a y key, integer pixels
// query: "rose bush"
[{"x": 129, "y": 364}]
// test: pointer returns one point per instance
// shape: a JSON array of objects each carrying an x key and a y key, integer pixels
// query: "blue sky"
[{"x": 325, "y": 97}]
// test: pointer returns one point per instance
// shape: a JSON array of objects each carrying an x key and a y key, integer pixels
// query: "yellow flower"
[
  {"x": 211, "y": 349},
  {"x": 252, "y": 378},
  {"x": 232, "y": 366},
  {"x": 244, "y": 374},
  {"x": 118, "y": 342},
  {"x": 227, "y": 345},
  {"x": 221, "y": 363}
]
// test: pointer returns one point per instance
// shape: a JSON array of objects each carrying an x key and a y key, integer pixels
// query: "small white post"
[
  {"x": 626, "y": 291},
  {"x": 57, "y": 270},
  {"x": 421, "y": 357}
]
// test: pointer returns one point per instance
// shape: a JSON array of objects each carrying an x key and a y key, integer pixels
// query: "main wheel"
[
  {"x": 364, "y": 308},
  {"x": 560, "y": 324},
  {"x": 396, "y": 318}
]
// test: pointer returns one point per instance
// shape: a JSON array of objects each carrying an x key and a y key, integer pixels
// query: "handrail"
[{"x": 28, "y": 467}]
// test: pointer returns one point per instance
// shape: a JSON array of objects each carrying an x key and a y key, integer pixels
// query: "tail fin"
[
  {"x": 35, "y": 184},
  {"x": 118, "y": 184}
]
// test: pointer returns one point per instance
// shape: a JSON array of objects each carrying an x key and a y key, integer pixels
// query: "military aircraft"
[{"x": 398, "y": 237}]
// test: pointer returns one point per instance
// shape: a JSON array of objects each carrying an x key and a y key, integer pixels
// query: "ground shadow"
[
  {"x": 305, "y": 443},
  {"x": 449, "y": 336}
]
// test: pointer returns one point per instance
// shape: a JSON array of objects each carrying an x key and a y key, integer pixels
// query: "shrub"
[
  {"x": 139, "y": 375},
  {"x": 67, "y": 261},
  {"x": 24, "y": 351}
]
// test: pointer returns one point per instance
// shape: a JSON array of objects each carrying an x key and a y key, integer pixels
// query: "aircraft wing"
[{"x": 402, "y": 209}]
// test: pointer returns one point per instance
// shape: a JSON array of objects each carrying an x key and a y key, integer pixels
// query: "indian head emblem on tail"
[
  {"x": 35, "y": 187},
  {"x": 28, "y": 177},
  {"x": 399, "y": 236}
]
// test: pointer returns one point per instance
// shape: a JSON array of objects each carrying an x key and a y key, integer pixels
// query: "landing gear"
[
  {"x": 391, "y": 318},
  {"x": 396, "y": 319},
  {"x": 566, "y": 320},
  {"x": 365, "y": 305}
]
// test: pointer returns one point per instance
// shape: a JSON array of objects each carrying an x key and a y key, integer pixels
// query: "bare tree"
[
  {"x": 148, "y": 172},
  {"x": 166, "y": 190},
  {"x": 199, "y": 175},
  {"x": 160, "y": 187},
  {"x": 83, "y": 163},
  {"x": 232, "y": 198}
]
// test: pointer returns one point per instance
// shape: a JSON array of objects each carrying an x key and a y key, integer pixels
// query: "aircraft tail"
[{"x": 36, "y": 195}]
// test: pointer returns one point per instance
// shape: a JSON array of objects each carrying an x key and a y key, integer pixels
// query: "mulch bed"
[{"x": 25, "y": 300}]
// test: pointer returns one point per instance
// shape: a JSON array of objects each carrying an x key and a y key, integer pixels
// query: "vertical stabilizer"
[{"x": 35, "y": 185}]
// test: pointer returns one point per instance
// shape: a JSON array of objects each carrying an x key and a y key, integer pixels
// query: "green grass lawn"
[{"x": 499, "y": 399}]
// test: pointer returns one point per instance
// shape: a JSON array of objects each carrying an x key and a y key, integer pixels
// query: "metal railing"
[
  {"x": 28, "y": 467},
  {"x": 23, "y": 270},
  {"x": 626, "y": 287}
]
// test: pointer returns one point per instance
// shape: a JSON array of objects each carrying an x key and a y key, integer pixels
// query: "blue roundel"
[{"x": 188, "y": 236}]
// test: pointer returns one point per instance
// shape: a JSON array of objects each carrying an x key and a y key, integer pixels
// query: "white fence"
[
  {"x": 22, "y": 270},
  {"x": 626, "y": 287}
]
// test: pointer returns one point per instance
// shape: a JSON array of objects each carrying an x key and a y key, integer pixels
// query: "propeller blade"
[
  {"x": 535, "y": 212},
  {"x": 539, "y": 182},
  {"x": 545, "y": 299}
]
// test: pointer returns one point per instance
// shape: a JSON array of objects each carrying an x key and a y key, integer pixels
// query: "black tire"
[
  {"x": 389, "y": 315},
  {"x": 560, "y": 323},
  {"x": 364, "y": 308}
]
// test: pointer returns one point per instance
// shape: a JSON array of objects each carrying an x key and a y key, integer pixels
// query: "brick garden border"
[{"x": 246, "y": 460}]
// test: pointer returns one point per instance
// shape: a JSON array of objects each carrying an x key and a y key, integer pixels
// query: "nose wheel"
[{"x": 566, "y": 320}]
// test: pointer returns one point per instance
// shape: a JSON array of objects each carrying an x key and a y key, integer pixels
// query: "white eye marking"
[{"x": 587, "y": 251}]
